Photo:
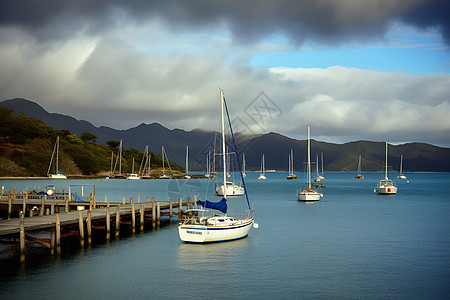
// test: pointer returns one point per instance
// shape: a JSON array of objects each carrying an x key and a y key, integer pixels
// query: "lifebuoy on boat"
[{"x": 389, "y": 190}]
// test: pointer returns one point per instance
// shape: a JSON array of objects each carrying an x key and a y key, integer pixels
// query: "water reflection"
[{"x": 198, "y": 257}]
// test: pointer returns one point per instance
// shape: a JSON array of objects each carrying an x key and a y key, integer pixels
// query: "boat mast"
[
  {"x": 401, "y": 163},
  {"x": 112, "y": 159},
  {"x": 385, "y": 170},
  {"x": 57, "y": 151},
  {"x": 120, "y": 158},
  {"x": 321, "y": 155},
  {"x": 309, "y": 163},
  {"x": 243, "y": 162},
  {"x": 187, "y": 163},
  {"x": 51, "y": 159},
  {"x": 162, "y": 156},
  {"x": 289, "y": 164},
  {"x": 292, "y": 161},
  {"x": 359, "y": 165},
  {"x": 223, "y": 148}
]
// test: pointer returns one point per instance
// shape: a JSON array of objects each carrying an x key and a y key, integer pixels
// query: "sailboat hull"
[
  {"x": 211, "y": 234},
  {"x": 309, "y": 196},
  {"x": 57, "y": 176},
  {"x": 232, "y": 190},
  {"x": 387, "y": 190}
]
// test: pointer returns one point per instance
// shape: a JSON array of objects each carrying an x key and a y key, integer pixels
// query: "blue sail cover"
[{"x": 221, "y": 205}]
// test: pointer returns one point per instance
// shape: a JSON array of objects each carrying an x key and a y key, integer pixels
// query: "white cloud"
[{"x": 118, "y": 83}]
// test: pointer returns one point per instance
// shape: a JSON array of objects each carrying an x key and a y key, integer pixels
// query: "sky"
[{"x": 375, "y": 70}]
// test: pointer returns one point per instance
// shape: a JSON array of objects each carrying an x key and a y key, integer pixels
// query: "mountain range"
[{"x": 417, "y": 157}]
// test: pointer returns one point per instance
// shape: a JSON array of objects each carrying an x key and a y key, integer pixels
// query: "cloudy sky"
[{"x": 351, "y": 69}]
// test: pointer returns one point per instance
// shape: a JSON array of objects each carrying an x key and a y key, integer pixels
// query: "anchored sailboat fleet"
[{"x": 202, "y": 225}]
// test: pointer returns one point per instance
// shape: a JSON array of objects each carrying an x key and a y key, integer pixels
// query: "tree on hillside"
[
  {"x": 113, "y": 144},
  {"x": 88, "y": 137}
]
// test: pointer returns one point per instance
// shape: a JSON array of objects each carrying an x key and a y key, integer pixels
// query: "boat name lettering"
[{"x": 194, "y": 232}]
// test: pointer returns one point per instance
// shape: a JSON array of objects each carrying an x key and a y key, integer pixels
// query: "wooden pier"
[{"x": 61, "y": 217}]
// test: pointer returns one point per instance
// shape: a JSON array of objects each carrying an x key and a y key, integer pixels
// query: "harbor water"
[{"x": 353, "y": 244}]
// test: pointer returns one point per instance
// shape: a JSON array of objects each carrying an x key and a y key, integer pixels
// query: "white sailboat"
[
  {"x": 262, "y": 174},
  {"x": 358, "y": 172},
  {"x": 312, "y": 192},
  {"x": 187, "y": 164},
  {"x": 317, "y": 178},
  {"x": 163, "y": 156},
  {"x": 58, "y": 174},
  {"x": 133, "y": 176},
  {"x": 386, "y": 186},
  {"x": 401, "y": 175},
  {"x": 321, "y": 175},
  {"x": 144, "y": 168},
  {"x": 243, "y": 165},
  {"x": 208, "y": 165},
  {"x": 232, "y": 189},
  {"x": 291, "y": 175},
  {"x": 202, "y": 225},
  {"x": 119, "y": 161}
]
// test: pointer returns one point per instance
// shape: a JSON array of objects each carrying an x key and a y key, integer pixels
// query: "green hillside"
[{"x": 26, "y": 146}]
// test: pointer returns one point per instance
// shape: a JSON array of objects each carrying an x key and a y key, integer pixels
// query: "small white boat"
[
  {"x": 312, "y": 193},
  {"x": 262, "y": 174},
  {"x": 401, "y": 175},
  {"x": 133, "y": 176},
  {"x": 386, "y": 186},
  {"x": 203, "y": 226},
  {"x": 358, "y": 172},
  {"x": 58, "y": 174}
]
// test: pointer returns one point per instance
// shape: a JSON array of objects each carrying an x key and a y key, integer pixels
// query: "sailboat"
[
  {"x": 133, "y": 176},
  {"x": 358, "y": 172},
  {"x": 163, "y": 156},
  {"x": 243, "y": 165},
  {"x": 312, "y": 192},
  {"x": 262, "y": 174},
  {"x": 291, "y": 175},
  {"x": 321, "y": 175},
  {"x": 317, "y": 178},
  {"x": 401, "y": 175},
  {"x": 232, "y": 189},
  {"x": 187, "y": 164},
  {"x": 208, "y": 165},
  {"x": 58, "y": 174},
  {"x": 200, "y": 225},
  {"x": 119, "y": 160},
  {"x": 386, "y": 186}
]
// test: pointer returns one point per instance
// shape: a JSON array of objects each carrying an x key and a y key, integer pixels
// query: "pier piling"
[
  {"x": 22, "y": 238},
  {"x": 81, "y": 227}
]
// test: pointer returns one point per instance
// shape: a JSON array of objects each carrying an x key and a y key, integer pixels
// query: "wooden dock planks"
[{"x": 11, "y": 227}]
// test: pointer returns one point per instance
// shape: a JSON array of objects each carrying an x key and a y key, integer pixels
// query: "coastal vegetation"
[{"x": 26, "y": 146}]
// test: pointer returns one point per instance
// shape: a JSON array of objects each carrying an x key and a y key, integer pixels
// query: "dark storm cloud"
[{"x": 325, "y": 21}]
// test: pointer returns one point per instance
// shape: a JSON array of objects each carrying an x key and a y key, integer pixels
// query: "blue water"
[{"x": 352, "y": 244}]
